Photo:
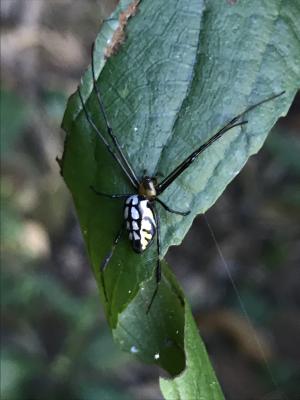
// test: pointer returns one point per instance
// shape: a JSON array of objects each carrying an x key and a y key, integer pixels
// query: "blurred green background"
[{"x": 55, "y": 341}]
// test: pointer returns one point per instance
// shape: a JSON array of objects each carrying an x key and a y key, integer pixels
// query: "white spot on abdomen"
[
  {"x": 135, "y": 226},
  {"x": 134, "y": 213},
  {"x": 146, "y": 224},
  {"x": 135, "y": 200},
  {"x": 136, "y": 236},
  {"x": 126, "y": 212}
]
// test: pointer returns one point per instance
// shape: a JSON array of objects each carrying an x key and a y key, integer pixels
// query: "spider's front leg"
[
  {"x": 110, "y": 196},
  {"x": 170, "y": 210}
]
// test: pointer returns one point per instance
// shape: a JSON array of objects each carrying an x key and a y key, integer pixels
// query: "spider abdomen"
[{"x": 140, "y": 222}]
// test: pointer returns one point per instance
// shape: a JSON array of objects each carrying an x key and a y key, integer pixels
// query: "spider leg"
[
  {"x": 170, "y": 210},
  {"x": 108, "y": 126},
  {"x": 107, "y": 259},
  {"x": 158, "y": 265},
  {"x": 104, "y": 141},
  {"x": 192, "y": 157},
  {"x": 110, "y": 196},
  {"x": 158, "y": 274}
]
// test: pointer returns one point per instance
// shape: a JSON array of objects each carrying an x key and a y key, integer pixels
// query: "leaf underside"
[{"x": 183, "y": 70}]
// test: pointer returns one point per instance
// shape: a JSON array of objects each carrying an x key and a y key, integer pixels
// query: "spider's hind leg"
[
  {"x": 158, "y": 274},
  {"x": 158, "y": 265},
  {"x": 107, "y": 259}
]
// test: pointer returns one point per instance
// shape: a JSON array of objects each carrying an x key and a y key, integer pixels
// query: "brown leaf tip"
[{"x": 119, "y": 35}]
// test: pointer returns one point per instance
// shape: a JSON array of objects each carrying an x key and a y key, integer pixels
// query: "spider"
[{"x": 141, "y": 219}]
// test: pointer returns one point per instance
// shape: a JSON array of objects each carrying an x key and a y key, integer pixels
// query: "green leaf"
[
  {"x": 180, "y": 73},
  {"x": 198, "y": 381}
]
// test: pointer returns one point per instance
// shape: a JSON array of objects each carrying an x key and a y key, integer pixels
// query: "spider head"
[{"x": 147, "y": 187}]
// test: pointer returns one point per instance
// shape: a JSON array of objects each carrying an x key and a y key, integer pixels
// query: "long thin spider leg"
[
  {"x": 108, "y": 126},
  {"x": 158, "y": 274},
  {"x": 158, "y": 265},
  {"x": 166, "y": 207},
  {"x": 107, "y": 259},
  {"x": 188, "y": 161},
  {"x": 230, "y": 125},
  {"x": 110, "y": 196},
  {"x": 253, "y": 106},
  {"x": 104, "y": 141}
]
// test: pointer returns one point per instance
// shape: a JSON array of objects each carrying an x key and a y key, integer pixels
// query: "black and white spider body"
[
  {"x": 140, "y": 215},
  {"x": 140, "y": 222}
]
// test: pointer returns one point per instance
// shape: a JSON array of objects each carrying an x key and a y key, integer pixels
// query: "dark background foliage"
[{"x": 55, "y": 341}]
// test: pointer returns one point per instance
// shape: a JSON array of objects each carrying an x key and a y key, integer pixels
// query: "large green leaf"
[{"x": 182, "y": 72}]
